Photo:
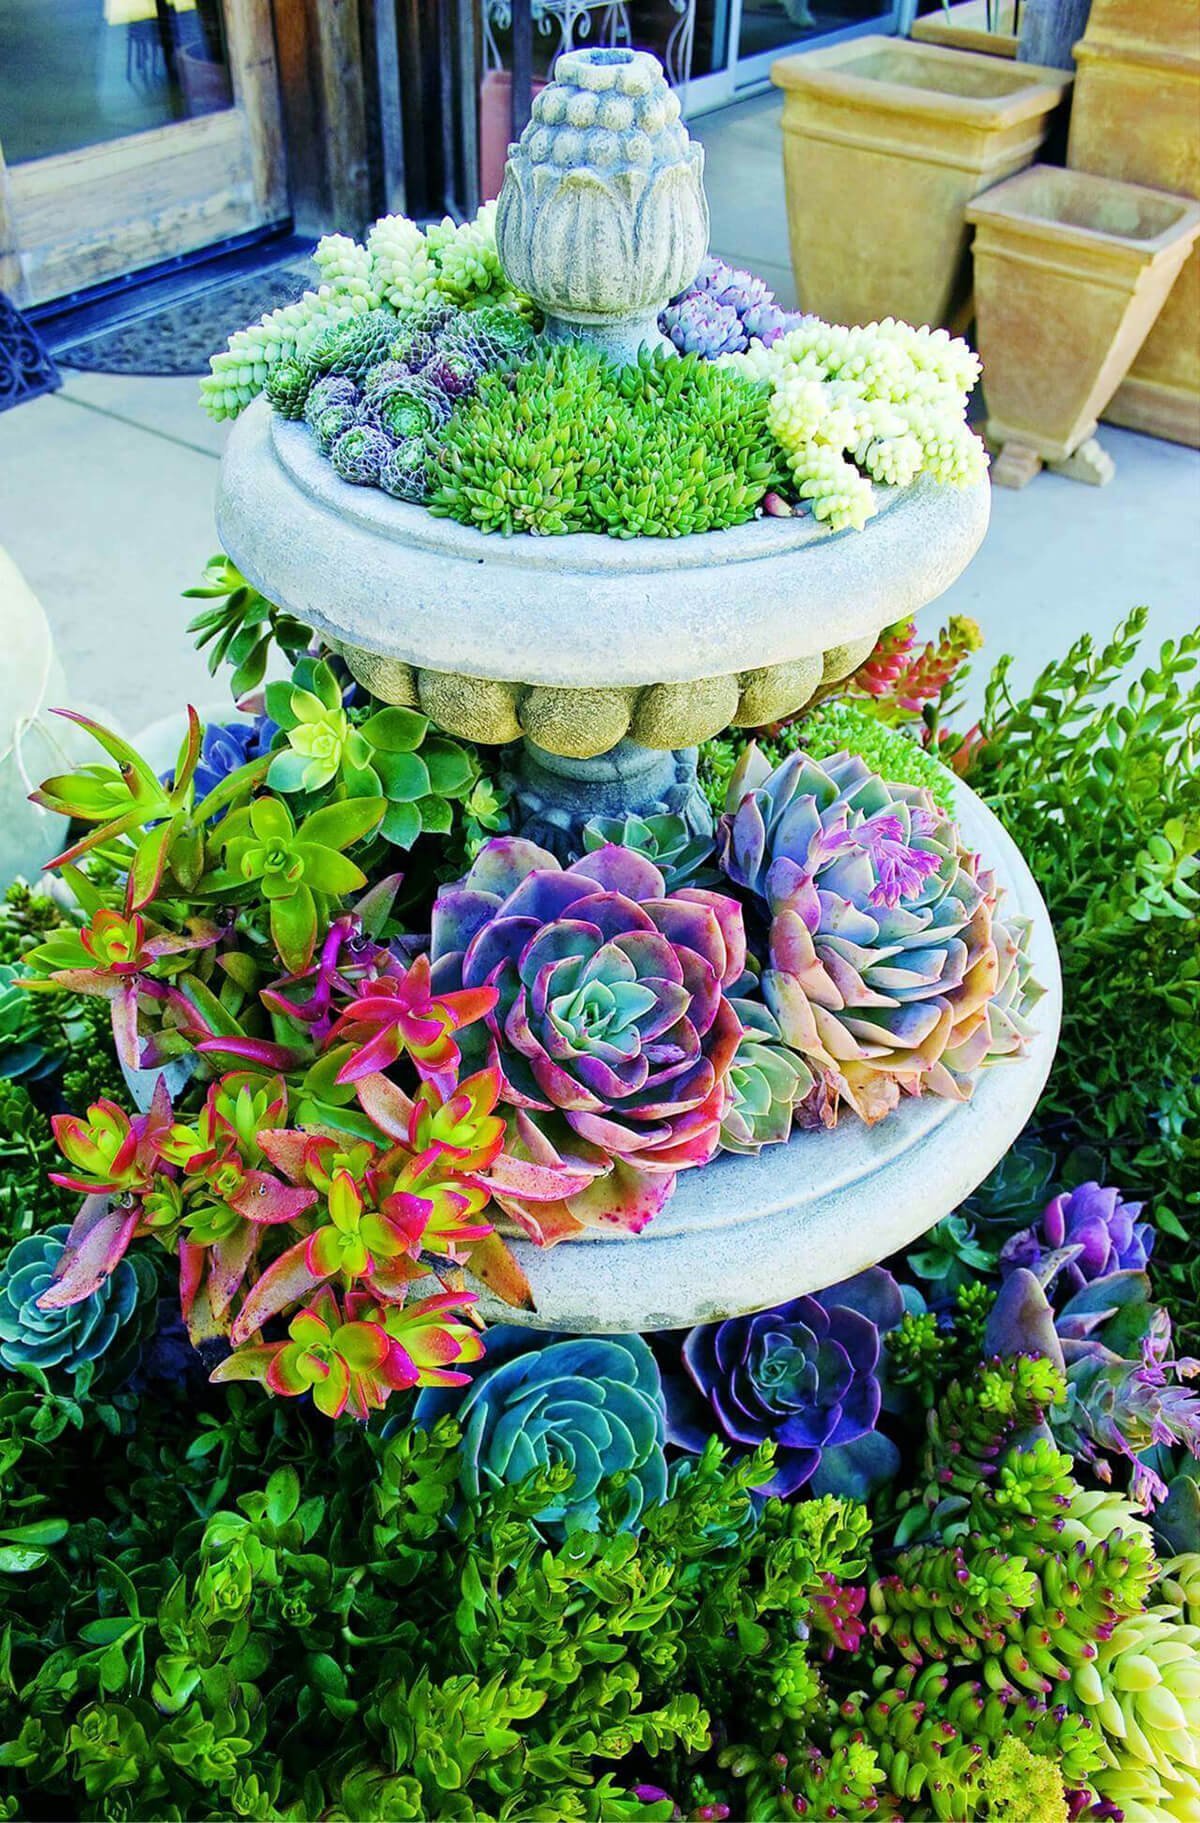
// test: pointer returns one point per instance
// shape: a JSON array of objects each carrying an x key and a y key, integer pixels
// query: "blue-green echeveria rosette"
[
  {"x": 806, "y": 1376},
  {"x": 592, "y": 1402},
  {"x": 888, "y": 966},
  {"x": 613, "y": 1031},
  {"x": 101, "y": 1330}
]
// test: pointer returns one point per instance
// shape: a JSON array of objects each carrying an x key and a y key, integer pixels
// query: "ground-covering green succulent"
[{"x": 664, "y": 447}]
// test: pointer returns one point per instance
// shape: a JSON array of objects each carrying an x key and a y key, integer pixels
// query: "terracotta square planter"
[
  {"x": 1137, "y": 116},
  {"x": 884, "y": 144},
  {"x": 1070, "y": 272},
  {"x": 964, "y": 28}
]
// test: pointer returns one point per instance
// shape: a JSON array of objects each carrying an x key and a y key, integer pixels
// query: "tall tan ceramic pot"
[
  {"x": 1136, "y": 115},
  {"x": 885, "y": 143}
]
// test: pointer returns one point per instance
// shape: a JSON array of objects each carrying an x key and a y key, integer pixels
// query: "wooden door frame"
[{"x": 76, "y": 218}]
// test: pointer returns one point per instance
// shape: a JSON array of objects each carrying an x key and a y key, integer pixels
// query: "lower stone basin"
[{"x": 743, "y": 1233}]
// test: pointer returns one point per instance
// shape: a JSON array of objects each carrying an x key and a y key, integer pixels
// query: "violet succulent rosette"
[
  {"x": 888, "y": 968},
  {"x": 805, "y": 1376},
  {"x": 612, "y": 1032},
  {"x": 1095, "y": 1231}
]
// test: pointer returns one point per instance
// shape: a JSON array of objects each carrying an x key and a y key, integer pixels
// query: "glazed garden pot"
[
  {"x": 1070, "y": 272},
  {"x": 965, "y": 28},
  {"x": 1136, "y": 116},
  {"x": 885, "y": 143}
]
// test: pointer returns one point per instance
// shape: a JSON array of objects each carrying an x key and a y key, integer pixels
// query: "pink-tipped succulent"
[
  {"x": 888, "y": 968},
  {"x": 899, "y": 674},
  {"x": 612, "y": 1030},
  {"x": 124, "y": 958},
  {"x": 357, "y": 1360},
  {"x": 397, "y": 1015}
]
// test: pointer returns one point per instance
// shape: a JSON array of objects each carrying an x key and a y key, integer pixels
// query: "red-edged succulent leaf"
[
  {"x": 262, "y": 1199},
  {"x": 99, "y": 1237},
  {"x": 285, "y": 1281},
  {"x": 247, "y": 1363},
  {"x": 495, "y": 1265}
]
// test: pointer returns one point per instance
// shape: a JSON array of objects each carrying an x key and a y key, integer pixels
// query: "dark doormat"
[
  {"x": 26, "y": 366},
  {"x": 181, "y": 335}
]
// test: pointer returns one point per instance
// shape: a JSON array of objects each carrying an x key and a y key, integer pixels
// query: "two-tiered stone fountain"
[{"x": 604, "y": 661}]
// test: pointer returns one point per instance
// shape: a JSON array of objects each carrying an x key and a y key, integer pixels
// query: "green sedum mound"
[{"x": 662, "y": 448}]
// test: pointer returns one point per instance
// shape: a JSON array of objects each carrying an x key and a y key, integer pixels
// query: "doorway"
[{"x": 132, "y": 131}]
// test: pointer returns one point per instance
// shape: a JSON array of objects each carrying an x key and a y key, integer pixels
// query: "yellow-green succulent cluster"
[
  {"x": 401, "y": 268},
  {"x": 569, "y": 443},
  {"x": 880, "y": 404}
]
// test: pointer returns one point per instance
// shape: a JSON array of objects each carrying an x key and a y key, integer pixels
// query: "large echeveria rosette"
[
  {"x": 612, "y": 1032},
  {"x": 591, "y": 1402},
  {"x": 805, "y": 1376},
  {"x": 888, "y": 968}
]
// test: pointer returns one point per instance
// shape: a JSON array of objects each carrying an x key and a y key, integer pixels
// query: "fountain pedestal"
[{"x": 600, "y": 663}]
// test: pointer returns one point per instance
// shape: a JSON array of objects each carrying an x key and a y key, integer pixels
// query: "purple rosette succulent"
[
  {"x": 702, "y": 325},
  {"x": 613, "y": 1032},
  {"x": 805, "y": 1376},
  {"x": 723, "y": 311},
  {"x": 1094, "y": 1231},
  {"x": 888, "y": 968}
]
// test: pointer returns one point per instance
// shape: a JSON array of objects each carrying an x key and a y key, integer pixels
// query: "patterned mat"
[{"x": 181, "y": 336}]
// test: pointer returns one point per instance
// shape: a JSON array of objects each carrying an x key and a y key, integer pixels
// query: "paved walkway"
[{"x": 106, "y": 501}]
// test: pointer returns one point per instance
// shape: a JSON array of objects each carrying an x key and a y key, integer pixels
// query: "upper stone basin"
[{"x": 580, "y": 611}]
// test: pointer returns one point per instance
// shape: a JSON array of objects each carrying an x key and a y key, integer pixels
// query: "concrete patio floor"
[{"x": 106, "y": 493}]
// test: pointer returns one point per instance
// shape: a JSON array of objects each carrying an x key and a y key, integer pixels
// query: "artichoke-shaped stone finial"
[{"x": 602, "y": 217}]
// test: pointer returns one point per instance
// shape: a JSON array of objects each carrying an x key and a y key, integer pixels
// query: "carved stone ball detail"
[
  {"x": 583, "y": 723},
  {"x": 602, "y": 217}
]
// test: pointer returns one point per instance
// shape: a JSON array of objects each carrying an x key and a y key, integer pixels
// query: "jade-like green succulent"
[
  {"x": 390, "y": 754},
  {"x": 570, "y": 443},
  {"x": 67, "y": 1340}
]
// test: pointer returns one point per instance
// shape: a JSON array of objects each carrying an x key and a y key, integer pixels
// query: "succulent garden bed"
[{"x": 371, "y": 1004}]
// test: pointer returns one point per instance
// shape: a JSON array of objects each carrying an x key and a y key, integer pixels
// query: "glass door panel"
[
  {"x": 132, "y": 131},
  {"x": 80, "y": 72}
]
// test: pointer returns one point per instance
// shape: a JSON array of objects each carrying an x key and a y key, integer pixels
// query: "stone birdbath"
[{"x": 600, "y": 663}]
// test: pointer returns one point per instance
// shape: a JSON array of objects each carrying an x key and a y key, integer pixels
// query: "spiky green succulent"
[
  {"x": 570, "y": 443},
  {"x": 332, "y": 423},
  {"x": 405, "y": 472},
  {"x": 326, "y": 392},
  {"x": 69, "y": 1341},
  {"x": 288, "y": 385},
  {"x": 358, "y": 454},
  {"x": 351, "y": 348},
  {"x": 838, "y": 727}
]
